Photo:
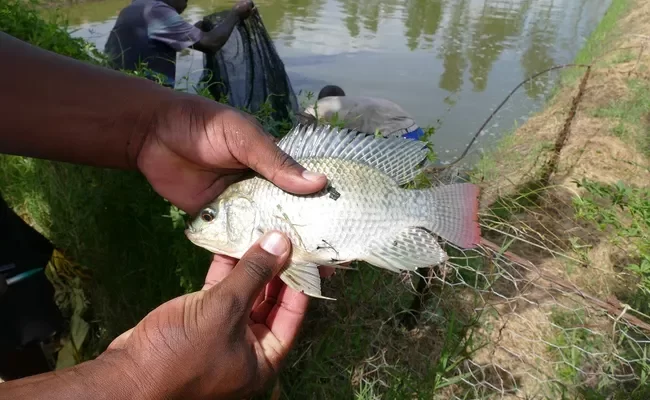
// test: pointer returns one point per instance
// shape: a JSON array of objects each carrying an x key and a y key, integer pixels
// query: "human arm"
[
  {"x": 213, "y": 40},
  {"x": 188, "y": 147},
  {"x": 106, "y": 377},
  {"x": 74, "y": 112},
  {"x": 228, "y": 340}
]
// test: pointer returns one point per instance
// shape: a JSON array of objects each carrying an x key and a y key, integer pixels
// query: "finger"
[
  {"x": 119, "y": 341},
  {"x": 285, "y": 318},
  {"x": 257, "y": 267},
  {"x": 262, "y": 296},
  {"x": 257, "y": 150},
  {"x": 258, "y": 300},
  {"x": 219, "y": 268},
  {"x": 326, "y": 272},
  {"x": 262, "y": 308},
  {"x": 278, "y": 322}
]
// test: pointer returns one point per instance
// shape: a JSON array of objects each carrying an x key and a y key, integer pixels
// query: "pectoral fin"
[
  {"x": 409, "y": 250},
  {"x": 305, "y": 278}
]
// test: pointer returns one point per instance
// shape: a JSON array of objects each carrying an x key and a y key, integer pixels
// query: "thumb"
[
  {"x": 257, "y": 267},
  {"x": 256, "y": 149},
  {"x": 120, "y": 341}
]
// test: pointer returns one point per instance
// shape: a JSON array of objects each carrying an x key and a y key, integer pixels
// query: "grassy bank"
[
  {"x": 490, "y": 326},
  {"x": 578, "y": 207}
]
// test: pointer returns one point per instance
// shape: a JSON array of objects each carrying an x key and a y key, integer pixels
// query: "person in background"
[
  {"x": 225, "y": 341},
  {"x": 364, "y": 114},
  {"x": 153, "y": 31}
]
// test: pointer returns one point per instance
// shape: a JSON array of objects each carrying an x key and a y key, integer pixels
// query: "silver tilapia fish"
[{"x": 363, "y": 214}]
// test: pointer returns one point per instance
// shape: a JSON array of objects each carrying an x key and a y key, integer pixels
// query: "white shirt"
[{"x": 364, "y": 114}]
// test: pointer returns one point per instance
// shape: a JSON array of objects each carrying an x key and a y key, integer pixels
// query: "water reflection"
[
  {"x": 538, "y": 54},
  {"x": 494, "y": 31},
  {"x": 367, "y": 14},
  {"x": 422, "y": 21},
  {"x": 451, "y": 49},
  {"x": 284, "y": 17},
  {"x": 446, "y": 59}
]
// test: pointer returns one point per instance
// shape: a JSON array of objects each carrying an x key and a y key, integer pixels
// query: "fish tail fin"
[{"x": 452, "y": 213}]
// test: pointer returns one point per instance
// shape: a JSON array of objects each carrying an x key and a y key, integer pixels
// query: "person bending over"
[
  {"x": 364, "y": 114},
  {"x": 153, "y": 31}
]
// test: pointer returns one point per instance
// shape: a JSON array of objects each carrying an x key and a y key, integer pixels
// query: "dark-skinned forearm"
[
  {"x": 58, "y": 108},
  {"x": 218, "y": 36},
  {"x": 110, "y": 376}
]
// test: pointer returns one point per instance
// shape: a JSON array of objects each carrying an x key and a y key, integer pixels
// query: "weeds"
[
  {"x": 631, "y": 115},
  {"x": 625, "y": 213}
]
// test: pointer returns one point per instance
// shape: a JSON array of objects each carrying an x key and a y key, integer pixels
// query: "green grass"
[
  {"x": 583, "y": 344},
  {"x": 573, "y": 345},
  {"x": 23, "y": 19},
  {"x": 631, "y": 115},
  {"x": 584, "y": 359},
  {"x": 600, "y": 39},
  {"x": 356, "y": 348},
  {"x": 113, "y": 223},
  {"x": 623, "y": 212},
  {"x": 624, "y": 56}
]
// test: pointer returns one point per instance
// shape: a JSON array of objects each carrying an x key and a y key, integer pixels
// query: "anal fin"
[
  {"x": 305, "y": 278},
  {"x": 410, "y": 249}
]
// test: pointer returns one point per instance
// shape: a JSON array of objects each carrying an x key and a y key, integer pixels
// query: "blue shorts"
[{"x": 415, "y": 135}]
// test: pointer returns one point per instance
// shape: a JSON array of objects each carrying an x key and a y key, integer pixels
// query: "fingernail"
[
  {"x": 312, "y": 176},
  {"x": 274, "y": 243}
]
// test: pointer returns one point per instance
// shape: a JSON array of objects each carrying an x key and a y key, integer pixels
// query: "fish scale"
[
  {"x": 359, "y": 212},
  {"x": 363, "y": 214}
]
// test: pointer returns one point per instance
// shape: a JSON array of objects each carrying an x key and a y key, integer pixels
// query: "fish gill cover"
[{"x": 247, "y": 70}]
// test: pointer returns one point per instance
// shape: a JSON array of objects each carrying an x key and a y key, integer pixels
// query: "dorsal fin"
[{"x": 397, "y": 157}]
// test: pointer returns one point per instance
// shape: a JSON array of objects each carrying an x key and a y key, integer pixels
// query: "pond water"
[{"x": 447, "y": 62}]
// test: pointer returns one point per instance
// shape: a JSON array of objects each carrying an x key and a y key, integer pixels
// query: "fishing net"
[{"x": 247, "y": 71}]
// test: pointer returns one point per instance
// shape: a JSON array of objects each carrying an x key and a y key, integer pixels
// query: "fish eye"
[{"x": 208, "y": 214}]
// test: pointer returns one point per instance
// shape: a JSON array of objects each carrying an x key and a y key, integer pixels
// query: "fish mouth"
[{"x": 194, "y": 237}]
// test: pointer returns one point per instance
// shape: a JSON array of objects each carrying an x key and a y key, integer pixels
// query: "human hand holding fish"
[
  {"x": 196, "y": 148},
  {"x": 253, "y": 332},
  {"x": 226, "y": 341}
]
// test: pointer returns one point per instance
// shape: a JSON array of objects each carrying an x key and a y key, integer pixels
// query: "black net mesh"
[{"x": 247, "y": 70}]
